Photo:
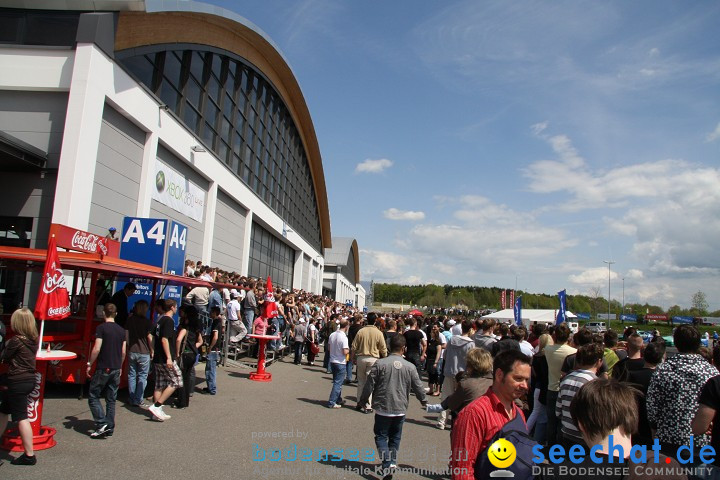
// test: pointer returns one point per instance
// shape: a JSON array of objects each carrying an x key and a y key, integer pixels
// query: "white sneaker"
[
  {"x": 157, "y": 413},
  {"x": 167, "y": 417}
]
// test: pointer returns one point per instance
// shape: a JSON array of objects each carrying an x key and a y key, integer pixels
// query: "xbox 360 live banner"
[{"x": 177, "y": 192}]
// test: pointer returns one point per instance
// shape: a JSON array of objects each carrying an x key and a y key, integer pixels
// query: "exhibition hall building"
[{"x": 173, "y": 110}]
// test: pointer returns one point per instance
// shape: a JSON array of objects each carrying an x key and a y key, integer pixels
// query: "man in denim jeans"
[
  {"x": 214, "y": 341},
  {"x": 338, "y": 349},
  {"x": 109, "y": 351},
  {"x": 139, "y": 345}
]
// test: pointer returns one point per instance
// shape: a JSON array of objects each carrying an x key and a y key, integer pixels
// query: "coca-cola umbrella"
[
  {"x": 415, "y": 313},
  {"x": 53, "y": 302}
]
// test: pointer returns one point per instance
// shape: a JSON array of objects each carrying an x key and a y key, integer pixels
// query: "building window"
[
  {"x": 239, "y": 115},
  {"x": 269, "y": 256}
]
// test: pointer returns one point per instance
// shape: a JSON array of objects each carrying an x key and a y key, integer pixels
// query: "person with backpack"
[{"x": 476, "y": 425}]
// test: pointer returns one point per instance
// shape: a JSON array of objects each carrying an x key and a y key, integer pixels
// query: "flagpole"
[
  {"x": 42, "y": 330},
  {"x": 42, "y": 322}
]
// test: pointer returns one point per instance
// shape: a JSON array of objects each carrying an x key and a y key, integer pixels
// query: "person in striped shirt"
[{"x": 587, "y": 361}]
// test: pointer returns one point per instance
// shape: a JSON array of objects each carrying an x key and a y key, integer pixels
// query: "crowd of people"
[
  {"x": 491, "y": 375},
  {"x": 490, "y": 379}
]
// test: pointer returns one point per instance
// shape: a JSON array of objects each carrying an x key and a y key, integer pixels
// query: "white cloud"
[
  {"x": 714, "y": 135},
  {"x": 487, "y": 237},
  {"x": 669, "y": 208},
  {"x": 395, "y": 214},
  {"x": 634, "y": 274},
  {"x": 593, "y": 276},
  {"x": 373, "y": 166},
  {"x": 654, "y": 52},
  {"x": 538, "y": 128},
  {"x": 445, "y": 269},
  {"x": 383, "y": 266}
]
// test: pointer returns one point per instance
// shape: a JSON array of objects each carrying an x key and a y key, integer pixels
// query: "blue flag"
[
  {"x": 517, "y": 310},
  {"x": 562, "y": 317}
]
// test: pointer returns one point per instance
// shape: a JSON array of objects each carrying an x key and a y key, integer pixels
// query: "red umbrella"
[
  {"x": 53, "y": 302},
  {"x": 415, "y": 313}
]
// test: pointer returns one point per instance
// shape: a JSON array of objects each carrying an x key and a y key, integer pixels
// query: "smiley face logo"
[{"x": 502, "y": 453}]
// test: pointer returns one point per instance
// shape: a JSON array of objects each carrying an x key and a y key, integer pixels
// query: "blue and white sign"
[
  {"x": 177, "y": 242},
  {"x": 174, "y": 292},
  {"x": 628, "y": 317},
  {"x": 157, "y": 242},
  {"x": 143, "y": 240},
  {"x": 583, "y": 316},
  {"x": 682, "y": 319},
  {"x": 143, "y": 291}
]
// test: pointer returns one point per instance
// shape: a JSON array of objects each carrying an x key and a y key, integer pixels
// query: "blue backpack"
[{"x": 515, "y": 432}]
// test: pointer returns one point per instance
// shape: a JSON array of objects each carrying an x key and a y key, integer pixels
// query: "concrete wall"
[
  {"x": 117, "y": 172},
  {"x": 229, "y": 234},
  {"x": 37, "y": 118}
]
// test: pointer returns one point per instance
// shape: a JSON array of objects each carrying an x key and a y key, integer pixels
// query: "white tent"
[{"x": 530, "y": 316}]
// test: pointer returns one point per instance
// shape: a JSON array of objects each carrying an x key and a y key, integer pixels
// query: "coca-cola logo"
[
  {"x": 102, "y": 245},
  {"x": 58, "y": 311},
  {"x": 88, "y": 242},
  {"x": 54, "y": 279},
  {"x": 34, "y": 399}
]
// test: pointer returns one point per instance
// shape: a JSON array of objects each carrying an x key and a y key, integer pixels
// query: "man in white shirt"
[
  {"x": 521, "y": 335},
  {"x": 339, "y": 349},
  {"x": 237, "y": 330},
  {"x": 456, "y": 329}
]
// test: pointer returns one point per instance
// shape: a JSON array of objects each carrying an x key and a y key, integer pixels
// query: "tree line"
[{"x": 477, "y": 298}]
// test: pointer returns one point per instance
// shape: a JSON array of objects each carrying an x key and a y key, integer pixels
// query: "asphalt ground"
[{"x": 226, "y": 435}]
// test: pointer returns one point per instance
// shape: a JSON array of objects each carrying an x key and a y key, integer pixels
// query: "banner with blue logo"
[
  {"x": 682, "y": 319},
  {"x": 562, "y": 314},
  {"x": 628, "y": 317},
  {"x": 583, "y": 316},
  {"x": 517, "y": 310}
]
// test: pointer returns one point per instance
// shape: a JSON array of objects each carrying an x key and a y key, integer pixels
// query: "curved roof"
[
  {"x": 339, "y": 254},
  {"x": 192, "y": 22},
  {"x": 150, "y": 22}
]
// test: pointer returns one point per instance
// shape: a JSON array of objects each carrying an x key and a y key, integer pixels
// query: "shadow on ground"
[
  {"x": 83, "y": 427},
  {"x": 314, "y": 401}
]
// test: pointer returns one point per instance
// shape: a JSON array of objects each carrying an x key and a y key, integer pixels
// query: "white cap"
[
  {"x": 302, "y": 320},
  {"x": 450, "y": 323},
  {"x": 234, "y": 293}
]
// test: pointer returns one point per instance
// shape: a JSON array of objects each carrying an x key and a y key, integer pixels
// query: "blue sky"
[{"x": 470, "y": 142}]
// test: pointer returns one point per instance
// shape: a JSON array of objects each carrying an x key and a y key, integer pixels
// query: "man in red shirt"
[{"x": 483, "y": 418}]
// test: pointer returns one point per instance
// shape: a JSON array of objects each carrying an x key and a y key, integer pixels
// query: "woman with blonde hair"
[
  {"x": 19, "y": 354},
  {"x": 538, "y": 416},
  {"x": 471, "y": 384}
]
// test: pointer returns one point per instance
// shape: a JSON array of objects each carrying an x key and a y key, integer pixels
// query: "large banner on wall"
[{"x": 177, "y": 192}]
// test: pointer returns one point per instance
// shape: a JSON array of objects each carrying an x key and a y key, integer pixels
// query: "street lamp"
[
  {"x": 623, "y": 303},
  {"x": 609, "y": 262}
]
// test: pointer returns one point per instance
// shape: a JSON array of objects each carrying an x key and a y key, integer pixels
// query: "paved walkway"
[{"x": 224, "y": 436}]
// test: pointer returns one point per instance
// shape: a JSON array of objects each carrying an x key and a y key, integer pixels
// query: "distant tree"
[
  {"x": 699, "y": 302},
  {"x": 595, "y": 298}
]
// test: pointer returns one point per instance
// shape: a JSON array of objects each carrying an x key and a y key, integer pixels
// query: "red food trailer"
[{"x": 76, "y": 333}]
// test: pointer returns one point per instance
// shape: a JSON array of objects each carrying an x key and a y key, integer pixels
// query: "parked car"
[{"x": 596, "y": 327}]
